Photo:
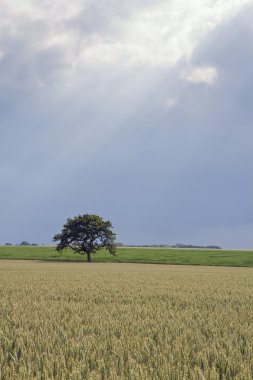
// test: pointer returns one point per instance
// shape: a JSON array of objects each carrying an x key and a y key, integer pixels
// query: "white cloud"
[
  {"x": 204, "y": 74},
  {"x": 157, "y": 35},
  {"x": 170, "y": 103},
  {"x": 154, "y": 34}
]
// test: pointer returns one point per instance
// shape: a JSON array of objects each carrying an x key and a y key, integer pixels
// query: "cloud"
[
  {"x": 85, "y": 90},
  {"x": 76, "y": 37},
  {"x": 170, "y": 103},
  {"x": 158, "y": 35},
  {"x": 206, "y": 75}
]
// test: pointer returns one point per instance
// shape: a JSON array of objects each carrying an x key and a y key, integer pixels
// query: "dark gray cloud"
[
  {"x": 103, "y": 141},
  {"x": 188, "y": 170}
]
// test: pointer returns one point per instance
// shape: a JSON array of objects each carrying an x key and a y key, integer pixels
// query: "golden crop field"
[{"x": 124, "y": 321}]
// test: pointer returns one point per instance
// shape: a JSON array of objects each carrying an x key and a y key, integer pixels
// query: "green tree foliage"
[
  {"x": 86, "y": 234},
  {"x": 24, "y": 243}
]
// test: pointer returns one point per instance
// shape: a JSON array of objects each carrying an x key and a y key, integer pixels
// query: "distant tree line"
[
  {"x": 169, "y": 246},
  {"x": 195, "y": 246},
  {"x": 23, "y": 243},
  {"x": 118, "y": 244}
]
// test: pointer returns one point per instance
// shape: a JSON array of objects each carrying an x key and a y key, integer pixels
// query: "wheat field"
[{"x": 124, "y": 321}]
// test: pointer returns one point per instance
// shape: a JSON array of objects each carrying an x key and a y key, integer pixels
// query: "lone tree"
[{"x": 86, "y": 234}]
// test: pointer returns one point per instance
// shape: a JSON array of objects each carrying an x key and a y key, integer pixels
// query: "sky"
[{"x": 138, "y": 111}]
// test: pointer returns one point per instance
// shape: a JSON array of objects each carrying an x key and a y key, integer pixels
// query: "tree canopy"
[{"x": 86, "y": 234}]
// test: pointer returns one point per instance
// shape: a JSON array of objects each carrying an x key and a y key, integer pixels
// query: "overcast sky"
[{"x": 139, "y": 111}]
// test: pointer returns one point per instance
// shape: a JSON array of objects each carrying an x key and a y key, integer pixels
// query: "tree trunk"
[{"x": 89, "y": 257}]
